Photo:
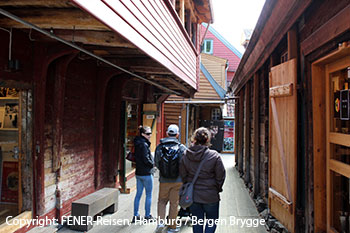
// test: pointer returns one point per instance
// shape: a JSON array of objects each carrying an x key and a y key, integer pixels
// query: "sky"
[{"x": 232, "y": 16}]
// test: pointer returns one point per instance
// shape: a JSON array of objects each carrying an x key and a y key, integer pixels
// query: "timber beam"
[
  {"x": 87, "y": 37},
  {"x": 54, "y": 19}
]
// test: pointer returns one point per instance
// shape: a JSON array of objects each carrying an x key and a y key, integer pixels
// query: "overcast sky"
[{"x": 232, "y": 16}]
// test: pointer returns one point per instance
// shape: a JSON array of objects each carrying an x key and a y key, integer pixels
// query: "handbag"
[
  {"x": 131, "y": 156},
  {"x": 186, "y": 190}
]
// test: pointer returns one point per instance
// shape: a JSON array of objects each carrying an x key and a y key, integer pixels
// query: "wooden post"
[
  {"x": 240, "y": 135},
  {"x": 292, "y": 43},
  {"x": 182, "y": 11},
  {"x": 256, "y": 186},
  {"x": 247, "y": 134}
]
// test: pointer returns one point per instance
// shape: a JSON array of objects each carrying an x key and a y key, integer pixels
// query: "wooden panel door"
[{"x": 283, "y": 143}]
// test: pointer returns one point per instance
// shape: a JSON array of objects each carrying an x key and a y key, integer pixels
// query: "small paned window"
[
  {"x": 216, "y": 114},
  {"x": 208, "y": 46}
]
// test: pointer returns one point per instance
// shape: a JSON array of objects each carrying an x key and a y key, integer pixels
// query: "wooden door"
[
  {"x": 283, "y": 143},
  {"x": 149, "y": 118}
]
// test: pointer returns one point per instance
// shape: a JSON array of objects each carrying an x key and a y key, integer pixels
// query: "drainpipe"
[{"x": 53, "y": 36}]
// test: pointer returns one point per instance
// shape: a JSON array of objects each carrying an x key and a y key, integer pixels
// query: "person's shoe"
[
  {"x": 135, "y": 218},
  {"x": 170, "y": 230},
  {"x": 150, "y": 218},
  {"x": 160, "y": 228}
]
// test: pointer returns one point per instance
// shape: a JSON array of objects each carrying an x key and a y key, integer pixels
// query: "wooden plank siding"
[
  {"x": 152, "y": 28},
  {"x": 216, "y": 66},
  {"x": 221, "y": 50}
]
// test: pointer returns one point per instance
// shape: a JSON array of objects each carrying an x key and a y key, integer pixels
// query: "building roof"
[{"x": 223, "y": 40}]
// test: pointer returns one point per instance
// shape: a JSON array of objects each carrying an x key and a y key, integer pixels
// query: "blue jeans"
[
  {"x": 141, "y": 183},
  {"x": 211, "y": 213}
]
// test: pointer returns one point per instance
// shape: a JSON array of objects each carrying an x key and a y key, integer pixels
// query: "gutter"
[
  {"x": 51, "y": 35},
  {"x": 194, "y": 102}
]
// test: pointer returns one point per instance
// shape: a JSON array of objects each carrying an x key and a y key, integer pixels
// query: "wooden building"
[
  {"x": 292, "y": 131},
  {"x": 207, "y": 103},
  {"x": 76, "y": 79},
  {"x": 219, "y": 62}
]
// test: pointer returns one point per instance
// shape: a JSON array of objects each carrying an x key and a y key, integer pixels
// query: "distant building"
[{"x": 245, "y": 37}]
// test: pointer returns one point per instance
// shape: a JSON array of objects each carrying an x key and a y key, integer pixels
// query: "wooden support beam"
[
  {"x": 37, "y": 3},
  {"x": 89, "y": 37},
  {"x": 54, "y": 18},
  {"x": 256, "y": 130},
  {"x": 178, "y": 85},
  {"x": 240, "y": 135},
  {"x": 292, "y": 43},
  {"x": 247, "y": 133},
  {"x": 60, "y": 84},
  {"x": 182, "y": 11}
]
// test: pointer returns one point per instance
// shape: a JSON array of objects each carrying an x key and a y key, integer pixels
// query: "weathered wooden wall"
[{"x": 319, "y": 31}]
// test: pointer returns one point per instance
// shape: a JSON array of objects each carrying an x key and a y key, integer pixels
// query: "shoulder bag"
[{"x": 186, "y": 190}]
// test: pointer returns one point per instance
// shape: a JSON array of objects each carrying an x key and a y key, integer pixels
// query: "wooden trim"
[
  {"x": 319, "y": 147},
  {"x": 20, "y": 193},
  {"x": 281, "y": 91},
  {"x": 339, "y": 167},
  {"x": 256, "y": 129},
  {"x": 281, "y": 150},
  {"x": 281, "y": 200},
  {"x": 343, "y": 50},
  {"x": 339, "y": 138},
  {"x": 328, "y": 175}
]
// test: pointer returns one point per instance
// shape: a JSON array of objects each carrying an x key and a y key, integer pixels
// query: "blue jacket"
[{"x": 143, "y": 158}]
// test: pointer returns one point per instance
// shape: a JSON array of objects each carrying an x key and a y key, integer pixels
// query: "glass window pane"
[{"x": 339, "y": 101}]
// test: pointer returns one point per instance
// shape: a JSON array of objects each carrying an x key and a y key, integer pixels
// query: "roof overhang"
[{"x": 276, "y": 19}]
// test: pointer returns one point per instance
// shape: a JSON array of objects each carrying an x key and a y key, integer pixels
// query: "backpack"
[{"x": 170, "y": 160}]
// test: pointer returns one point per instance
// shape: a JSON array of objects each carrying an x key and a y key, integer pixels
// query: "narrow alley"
[{"x": 236, "y": 206}]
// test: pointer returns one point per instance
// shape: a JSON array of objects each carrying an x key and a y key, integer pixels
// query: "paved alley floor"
[{"x": 237, "y": 210}]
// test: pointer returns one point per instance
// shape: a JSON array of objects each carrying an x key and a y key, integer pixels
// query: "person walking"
[
  {"x": 167, "y": 159},
  {"x": 209, "y": 183},
  {"x": 144, "y": 172}
]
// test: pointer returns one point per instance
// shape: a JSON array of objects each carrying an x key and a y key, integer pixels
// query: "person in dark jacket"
[
  {"x": 169, "y": 177},
  {"x": 210, "y": 180},
  {"x": 144, "y": 172}
]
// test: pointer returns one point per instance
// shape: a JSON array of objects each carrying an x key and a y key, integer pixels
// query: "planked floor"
[{"x": 236, "y": 206}]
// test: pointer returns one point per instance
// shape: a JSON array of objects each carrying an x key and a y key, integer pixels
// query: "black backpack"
[{"x": 170, "y": 160}]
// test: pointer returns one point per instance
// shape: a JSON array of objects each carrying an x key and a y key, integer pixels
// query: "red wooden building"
[
  {"x": 74, "y": 76},
  {"x": 215, "y": 44}
]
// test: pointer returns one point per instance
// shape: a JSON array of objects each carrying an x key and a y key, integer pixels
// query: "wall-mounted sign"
[
  {"x": 337, "y": 104},
  {"x": 149, "y": 116},
  {"x": 344, "y": 105}
]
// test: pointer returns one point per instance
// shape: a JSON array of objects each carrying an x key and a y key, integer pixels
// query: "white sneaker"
[
  {"x": 170, "y": 230},
  {"x": 160, "y": 228}
]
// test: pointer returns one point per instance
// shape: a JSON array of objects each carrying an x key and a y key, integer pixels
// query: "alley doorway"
[{"x": 15, "y": 154}]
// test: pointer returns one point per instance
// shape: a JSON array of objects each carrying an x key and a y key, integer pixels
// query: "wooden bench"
[{"x": 104, "y": 200}]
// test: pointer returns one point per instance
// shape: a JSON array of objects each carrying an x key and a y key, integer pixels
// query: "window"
[
  {"x": 208, "y": 46},
  {"x": 216, "y": 114}
]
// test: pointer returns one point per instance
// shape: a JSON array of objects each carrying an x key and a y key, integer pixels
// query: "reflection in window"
[{"x": 208, "y": 46}]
